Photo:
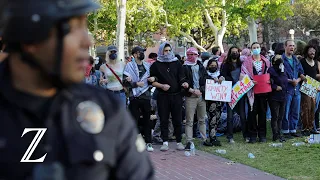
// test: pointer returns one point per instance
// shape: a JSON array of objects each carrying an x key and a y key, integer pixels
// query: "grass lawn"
[{"x": 290, "y": 162}]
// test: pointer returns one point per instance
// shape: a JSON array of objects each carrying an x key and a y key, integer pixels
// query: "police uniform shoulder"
[{"x": 96, "y": 93}]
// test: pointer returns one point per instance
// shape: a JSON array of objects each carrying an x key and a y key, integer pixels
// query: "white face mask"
[
  {"x": 96, "y": 61},
  {"x": 281, "y": 66}
]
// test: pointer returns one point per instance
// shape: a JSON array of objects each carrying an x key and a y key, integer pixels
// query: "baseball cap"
[
  {"x": 137, "y": 49},
  {"x": 112, "y": 48}
]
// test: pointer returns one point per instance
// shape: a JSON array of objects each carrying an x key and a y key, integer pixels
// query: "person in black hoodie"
[
  {"x": 277, "y": 102},
  {"x": 231, "y": 72},
  {"x": 170, "y": 80}
]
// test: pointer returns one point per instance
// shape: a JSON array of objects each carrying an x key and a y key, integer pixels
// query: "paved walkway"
[{"x": 174, "y": 164}]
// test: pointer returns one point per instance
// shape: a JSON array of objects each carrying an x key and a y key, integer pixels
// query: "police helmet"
[{"x": 30, "y": 21}]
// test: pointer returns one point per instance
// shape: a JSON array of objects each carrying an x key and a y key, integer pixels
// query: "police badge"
[{"x": 90, "y": 116}]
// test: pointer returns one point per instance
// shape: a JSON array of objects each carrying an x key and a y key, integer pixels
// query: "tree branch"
[
  {"x": 210, "y": 22},
  {"x": 193, "y": 41},
  {"x": 224, "y": 19}
]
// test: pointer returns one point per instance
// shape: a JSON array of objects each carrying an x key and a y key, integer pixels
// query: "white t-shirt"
[{"x": 113, "y": 83}]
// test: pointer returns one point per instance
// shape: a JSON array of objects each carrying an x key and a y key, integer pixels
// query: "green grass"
[{"x": 293, "y": 163}]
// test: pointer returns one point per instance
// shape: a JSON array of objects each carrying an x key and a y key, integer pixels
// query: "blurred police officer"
[{"x": 85, "y": 134}]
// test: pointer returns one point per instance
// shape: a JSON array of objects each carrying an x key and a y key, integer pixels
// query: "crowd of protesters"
[{"x": 170, "y": 91}]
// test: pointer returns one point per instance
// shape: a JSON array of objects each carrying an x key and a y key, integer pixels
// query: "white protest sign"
[{"x": 218, "y": 92}]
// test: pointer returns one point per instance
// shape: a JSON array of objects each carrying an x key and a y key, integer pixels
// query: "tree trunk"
[
  {"x": 121, "y": 28},
  {"x": 219, "y": 34},
  {"x": 252, "y": 30},
  {"x": 266, "y": 34}
]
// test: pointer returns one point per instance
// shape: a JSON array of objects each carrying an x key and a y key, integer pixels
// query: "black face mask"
[
  {"x": 141, "y": 56},
  {"x": 235, "y": 55},
  {"x": 213, "y": 69},
  {"x": 113, "y": 56}
]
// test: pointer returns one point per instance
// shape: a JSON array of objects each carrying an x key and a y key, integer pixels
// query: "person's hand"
[
  {"x": 140, "y": 84},
  {"x": 269, "y": 82},
  {"x": 151, "y": 79},
  {"x": 294, "y": 82},
  {"x": 128, "y": 79},
  {"x": 197, "y": 93},
  {"x": 255, "y": 82},
  {"x": 279, "y": 88},
  {"x": 165, "y": 87},
  {"x": 185, "y": 85},
  {"x": 221, "y": 79}
]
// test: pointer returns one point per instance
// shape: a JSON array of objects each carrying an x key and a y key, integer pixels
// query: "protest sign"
[
  {"x": 310, "y": 87},
  {"x": 218, "y": 92},
  {"x": 262, "y": 85},
  {"x": 239, "y": 90}
]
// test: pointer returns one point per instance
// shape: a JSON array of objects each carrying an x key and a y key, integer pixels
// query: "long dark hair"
[
  {"x": 211, "y": 61},
  {"x": 229, "y": 59}
]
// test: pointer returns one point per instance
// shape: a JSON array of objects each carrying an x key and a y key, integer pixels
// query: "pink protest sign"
[{"x": 263, "y": 84}]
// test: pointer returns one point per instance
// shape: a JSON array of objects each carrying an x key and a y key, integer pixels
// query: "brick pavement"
[{"x": 174, "y": 164}]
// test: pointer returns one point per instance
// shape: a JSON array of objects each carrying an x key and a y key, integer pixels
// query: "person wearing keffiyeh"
[
  {"x": 256, "y": 65},
  {"x": 170, "y": 80},
  {"x": 136, "y": 78},
  {"x": 196, "y": 76}
]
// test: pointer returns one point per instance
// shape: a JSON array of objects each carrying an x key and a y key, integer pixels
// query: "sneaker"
[
  {"x": 314, "y": 132},
  {"x": 187, "y": 148},
  {"x": 231, "y": 141},
  {"x": 214, "y": 141},
  {"x": 164, "y": 147},
  {"x": 262, "y": 140},
  {"x": 282, "y": 139},
  {"x": 305, "y": 133},
  {"x": 149, "y": 147},
  {"x": 252, "y": 140},
  {"x": 275, "y": 137},
  {"x": 157, "y": 140},
  {"x": 247, "y": 139},
  {"x": 180, "y": 147},
  {"x": 207, "y": 143},
  {"x": 295, "y": 134}
]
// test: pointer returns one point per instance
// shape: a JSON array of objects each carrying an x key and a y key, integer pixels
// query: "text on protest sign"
[
  {"x": 218, "y": 92},
  {"x": 239, "y": 90},
  {"x": 310, "y": 88}
]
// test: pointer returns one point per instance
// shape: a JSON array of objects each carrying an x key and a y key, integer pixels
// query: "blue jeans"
[
  {"x": 292, "y": 114},
  {"x": 121, "y": 96},
  {"x": 268, "y": 112}
]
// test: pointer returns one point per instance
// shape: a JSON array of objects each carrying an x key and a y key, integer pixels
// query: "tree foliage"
[
  {"x": 187, "y": 15},
  {"x": 142, "y": 19}
]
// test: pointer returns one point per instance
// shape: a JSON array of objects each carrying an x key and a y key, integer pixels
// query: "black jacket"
[
  {"x": 170, "y": 73},
  {"x": 226, "y": 73},
  {"x": 69, "y": 146},
  {"x": 203, "y": 76}
]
